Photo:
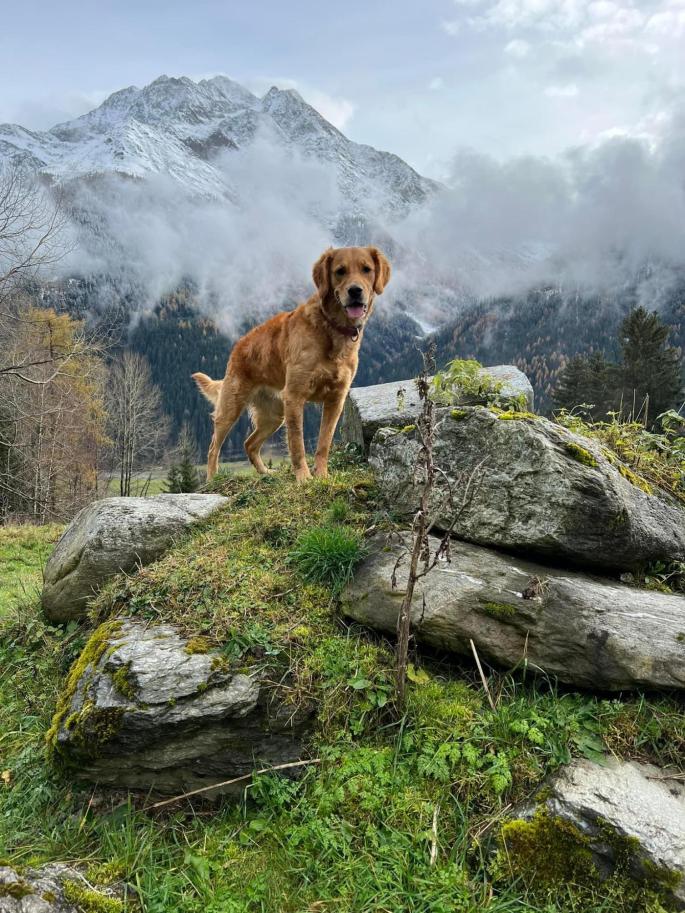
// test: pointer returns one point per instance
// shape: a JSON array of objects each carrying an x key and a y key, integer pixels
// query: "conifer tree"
[
  {"x": 189, "y": 478},
  {"x": 172, "y": 484},
  {"x": 183, "y": 476},
  {"x": 651, "y": 373},
  {"x": 588, "y": 379}
]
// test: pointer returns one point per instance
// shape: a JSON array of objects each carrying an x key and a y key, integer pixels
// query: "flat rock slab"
[
  {"x": 397, "y": 403},
  {"x": 145, "y": 710},
  {"x": 53, "y": 889},
  {"x": 622, "y": 808},
  {"x": 584, "y": 630},
  {"x": 114, "y": 535},
  {"x": 535, "y": 488}
]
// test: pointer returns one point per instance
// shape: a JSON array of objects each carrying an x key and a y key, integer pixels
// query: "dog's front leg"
[
  {"x": 330, "y": 415},
  {"x": 294, "y": 420}
]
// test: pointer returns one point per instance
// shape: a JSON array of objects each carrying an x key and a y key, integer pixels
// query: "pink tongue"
[{"x": 355, "y": 312}]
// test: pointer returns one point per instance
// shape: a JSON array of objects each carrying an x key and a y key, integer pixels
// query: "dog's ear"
[
  {"x": 382, "y": 276},
  {"x": 321, "y": 273}
]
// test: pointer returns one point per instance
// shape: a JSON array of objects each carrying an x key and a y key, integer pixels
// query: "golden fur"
[{"x": 306, "y": 355}]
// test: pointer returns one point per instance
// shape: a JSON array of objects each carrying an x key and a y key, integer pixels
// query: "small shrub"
[
  {"x": 463, "y": 380},
  {"x": 327, "y": 555}
]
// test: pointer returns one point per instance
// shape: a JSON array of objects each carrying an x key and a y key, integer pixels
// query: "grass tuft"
[{"x": 328, "y": 555}]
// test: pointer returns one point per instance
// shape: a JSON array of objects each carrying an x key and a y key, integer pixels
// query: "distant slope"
[{"x": 538, "y": 332}]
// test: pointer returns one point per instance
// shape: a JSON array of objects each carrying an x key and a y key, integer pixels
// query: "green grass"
[
  {"x": 328, "y": 554},
  {"x": 354, "y": 834},
  {"x": 23, "y": 552}
]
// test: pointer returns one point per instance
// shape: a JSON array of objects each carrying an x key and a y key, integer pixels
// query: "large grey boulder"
[
  {"x": 624, "y": 813},
  {"x": 55, "y": 888},
  {"x": 143, "y": 708},
  {"x": 113, "y": 535},
  {"x": 581, "y": 629},
  {"x": 536, "y": 488},
  {"x": 397, "y": 403}
]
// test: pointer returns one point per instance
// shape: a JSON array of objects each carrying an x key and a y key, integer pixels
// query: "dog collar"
[{"x": 351, "y": 332}]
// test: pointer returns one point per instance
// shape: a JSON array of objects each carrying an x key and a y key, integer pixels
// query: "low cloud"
[
  {"x": 595, "y": 219},
  {"x": 248, "y": 254}
]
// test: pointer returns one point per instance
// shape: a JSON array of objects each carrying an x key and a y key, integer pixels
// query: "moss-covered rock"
[
  {"x": 191, "y": 718},
  {"x": 534, "y": 487},
  {"x": 595, "y": 821},
  {"x": 58, "y": 888},
  {"x": 207, "y": 669}
]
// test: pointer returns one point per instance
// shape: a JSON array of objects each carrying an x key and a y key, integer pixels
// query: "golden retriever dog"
[{"x": 306, "y": 355}]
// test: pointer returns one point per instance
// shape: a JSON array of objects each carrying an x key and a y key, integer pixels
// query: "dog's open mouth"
[{"x": 355, "y": 311}]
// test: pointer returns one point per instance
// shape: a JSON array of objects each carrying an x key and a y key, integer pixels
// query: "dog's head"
[{"x": 347, "y": 280}]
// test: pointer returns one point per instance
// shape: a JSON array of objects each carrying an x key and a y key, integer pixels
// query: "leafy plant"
[{"x": 463, "y": 381}]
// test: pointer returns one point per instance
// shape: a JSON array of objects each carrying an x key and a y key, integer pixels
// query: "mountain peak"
[{"x": 178, "y": 127}]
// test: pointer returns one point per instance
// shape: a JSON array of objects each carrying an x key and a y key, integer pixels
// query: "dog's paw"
[{"x": 302, "y": 475}]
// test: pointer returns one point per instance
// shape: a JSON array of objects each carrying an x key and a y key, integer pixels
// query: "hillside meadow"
[{"x": 399, "y": 814}]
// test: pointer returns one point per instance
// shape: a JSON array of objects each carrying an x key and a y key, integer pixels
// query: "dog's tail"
[{"x": 208, "y": 388}]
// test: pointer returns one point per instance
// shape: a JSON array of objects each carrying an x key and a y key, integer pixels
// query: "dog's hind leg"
[
  {"x": 266, "y": 410},
  {"x": 232, "y": 400}
]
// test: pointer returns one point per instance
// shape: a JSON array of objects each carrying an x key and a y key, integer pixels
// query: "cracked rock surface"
[
  {"x": 585, "y": 630},
  {"x": 535, "y": 488}
]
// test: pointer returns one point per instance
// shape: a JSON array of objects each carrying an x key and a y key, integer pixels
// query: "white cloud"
[
  {"x": 451, "y": 26},
  {"x": 436, "y": 84},
  {"x": 568, "y": 91},
  {"x": 518, "y": 48}
]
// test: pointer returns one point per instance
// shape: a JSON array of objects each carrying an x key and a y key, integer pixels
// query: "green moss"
[
  {"x": 511, "y": 415},
  {"x": 460, "y": 414},
  {"x": 221, "y": 664},
  {"x": 680, "y": 637},
  {"x": 92, "y": 727},
  {"x": 105, "y": 873},
  {"x": 90, "y": 901},
  {"x": 91, "y": 655},
  {"x": 123, "y": 682},
  {"x": 49, "y": 896},
  {"x": 635, "y": 479},
  {"x": 500, "y": 610},
  {"x": 198, "y": 645},
  {"x": 407, "y": 429},
  {"x": 546, "y": 851},
  {"x": 663, "y": 878},
  {"x": 580, "y": 454},
  {"x": 16, "y": 889}
]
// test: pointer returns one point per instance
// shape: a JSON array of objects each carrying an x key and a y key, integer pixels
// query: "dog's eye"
[
  {"x": 340, "y": 271},
  {"x": 366, "y": 269}
]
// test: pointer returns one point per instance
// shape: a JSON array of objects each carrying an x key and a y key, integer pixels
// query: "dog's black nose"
[{"x": 355, "y": 292}]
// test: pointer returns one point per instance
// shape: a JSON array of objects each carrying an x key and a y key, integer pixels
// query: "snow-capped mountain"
[{"x": 178, "y": 127}]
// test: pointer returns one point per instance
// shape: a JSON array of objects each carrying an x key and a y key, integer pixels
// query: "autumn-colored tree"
[{"x": 51, "y": 415}]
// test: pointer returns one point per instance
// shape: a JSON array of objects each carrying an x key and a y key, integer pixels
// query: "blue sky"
[{"x": 503, "y": 77}]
